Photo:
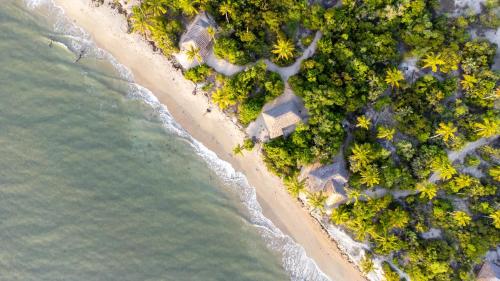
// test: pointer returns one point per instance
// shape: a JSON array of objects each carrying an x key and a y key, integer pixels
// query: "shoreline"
[{"x": 214, "y": 130}]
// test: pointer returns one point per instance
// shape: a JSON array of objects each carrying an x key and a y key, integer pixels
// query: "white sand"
[{"x": 214, "y": 130}]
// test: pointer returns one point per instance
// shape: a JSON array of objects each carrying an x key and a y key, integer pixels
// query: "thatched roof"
[
  {"x": 489, "y": 272},
  {"x": 281, "y": 119},
  {"x": 328, "y": 178},
  {"x": 197, "y": 35}
]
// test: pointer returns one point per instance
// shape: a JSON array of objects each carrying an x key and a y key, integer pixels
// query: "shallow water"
[{"x": 93, "y": 186}]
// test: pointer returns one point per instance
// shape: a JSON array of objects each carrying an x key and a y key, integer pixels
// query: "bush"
[
  {"x": 472, "y": 161},
  {"x": 249, "y": 110},
  {"x": 199, "y": 73}
]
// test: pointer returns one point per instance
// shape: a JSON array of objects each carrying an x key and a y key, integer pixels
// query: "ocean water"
[{"x": 97, "y": 182}]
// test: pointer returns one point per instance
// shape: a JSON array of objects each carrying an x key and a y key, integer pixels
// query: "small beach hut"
[
  {"x": 489, "y": 272},
  {"x": 282, "y": 119},
  {"x": 197, "y": 35},
  {"x": 330, "y": 179}
]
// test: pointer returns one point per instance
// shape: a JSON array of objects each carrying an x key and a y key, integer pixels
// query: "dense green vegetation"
[{"x": 400, "y": 126}]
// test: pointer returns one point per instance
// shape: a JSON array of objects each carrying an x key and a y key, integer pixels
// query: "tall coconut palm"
[
  {"x": 370, "y": 176},
  {"x": 156, "y": 7},
  {"x": 446, "y": 131},
  {"x": 494, "y": 172},
  {"x": 238, "y": 149},
  {"x": 211, "y": 32},
  {"x": 495, "y": 216},
  {"x": 468, "y": 82},
  {"x": 487, "y": 128},
  {"x": 354, "y": 195},
  {"x": 363, "y": 122},
  {"x": 317, "y": 200},
  {"x": 427, "y": 189},
  {"x": 461, "y": 218},
  {"x": 140, "y": 21},
  {"x": 362, "y": 155},
  {"x": 294, "y": 186},
  {"x": 227, "y": 9},
  {"x": 460, "y": 182},
  {"x": 443, "y": 166},
  {"x": 193, "y": 53},
  {"x": 386, "y": 133},
  {"x": 433, "y": 61},
  {"x": 284, "y": 48},
  {"x": 393, "y": 77},
  {"x": 188, "y": 7}
]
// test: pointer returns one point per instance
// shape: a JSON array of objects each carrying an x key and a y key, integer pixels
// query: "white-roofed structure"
[
  {"x": 197, "y": 37},
  {"x": 282, "y": 119}
]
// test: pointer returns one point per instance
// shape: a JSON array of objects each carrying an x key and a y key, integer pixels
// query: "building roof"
[
  {"x": 489, "y": 272},
  {"x": 197, "y": 35},
  {"x": 281, "y": 119},
  {"x": 328, "y": 178}
]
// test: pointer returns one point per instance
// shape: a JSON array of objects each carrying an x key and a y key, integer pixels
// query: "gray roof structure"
[
  {"x": 197, "y": 35},
  {"x": 489, "y": 272},
  {"x": 282, "y": 119}
]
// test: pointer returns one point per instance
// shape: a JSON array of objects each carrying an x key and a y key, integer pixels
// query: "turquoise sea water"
[{"x": 95, "y": 186}]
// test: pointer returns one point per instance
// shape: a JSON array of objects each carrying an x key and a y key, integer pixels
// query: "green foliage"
[
  {"x": 389, "y": 273},
  {"x": 248, "y": 144},
  {"x": 354, "y": 71},
  {"x": 250, "y": 90},
  {"x": 199, "y": 73},
  {"x": 230, "y": 50},
  {"x": 472, "y": 161},
  {"x": 366, "y": 264}
]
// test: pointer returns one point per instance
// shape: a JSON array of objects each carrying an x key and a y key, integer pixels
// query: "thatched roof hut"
[
  {"x": 197, "y": 35},
  {"x": 489, "y": 272},
  {"x": 330, "y": 179},
  {"x": 282, "y": 119}
]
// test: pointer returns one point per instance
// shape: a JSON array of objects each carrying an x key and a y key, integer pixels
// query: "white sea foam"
[{"x": 294, "y": 258}]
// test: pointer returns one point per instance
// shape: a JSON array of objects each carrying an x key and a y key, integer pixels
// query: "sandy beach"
[{"x": 109, "y": 30}]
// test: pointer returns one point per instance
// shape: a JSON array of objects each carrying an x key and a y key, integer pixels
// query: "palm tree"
[
  {"x": 494, "y": 172},
  {"x": 362, "y": 155},
  {"x": 354, "y": 195},
  {"x": 427, "y": 189},
  {"x": 363, "y": 122},
  {"x": 468, "y": 82},
  {"x": 157, "y": 7},
  {"x": 433, "y": 61},
  {"x": 442, "y": 166},
  {"x": 188, "y": 7},
  {"x": 366, "y": 264},
  {"x": 284, "y": 48},
  {"x": 227, "y": 9},
  {"x": 461, "y": 218},
  {"x": 317, "y": 200},
  {"x": 461, "y": 182},
  {"x": 370, "y": 176},
  {"x": 386, "y": 133},
  {"x": 294, "y": 186},
  {"x": 398, "y": 218},
  {"x": 339, "y": 217},
  {"x": 446, "y": 131},
  {"x": 222, "y": 99},
  {"x": 393, "y": 76},
  {"x": 193, "y": 53},
  {"x": 495, "y": 216},
  {"x": 140, "y": 21},
  {"x": 211, "y": 32},
  {"x": 387, "y": 243},
  {"x": 238, "y": 149},
  {"x": 488, "y": 128}
]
